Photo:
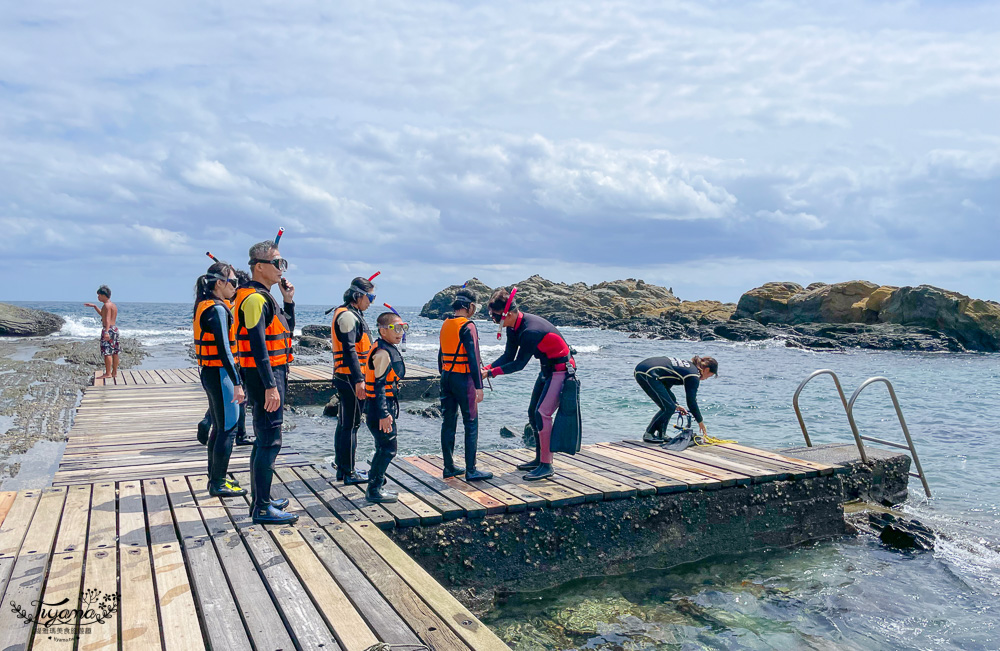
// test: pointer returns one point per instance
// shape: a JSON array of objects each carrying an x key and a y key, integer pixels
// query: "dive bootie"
[
  {"x": 530, "y": 465},
  {"x": 380, "y": 495},
  {"x": 353, "y": 478},
  {"x": 281, "y": 503},
  {"x": 541, "y": 472},
  {"x": 225, "y": 489},
  {"x": 656, "y": 437},
  {"x": 268, "y": 514},
  {"x": 454, "y": 471},
  {"x": 203, "y": 428},
  {"x": 243, "y": 439},
  {"x": 478, "y": 475}
]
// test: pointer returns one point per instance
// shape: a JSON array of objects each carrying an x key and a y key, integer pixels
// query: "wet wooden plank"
[
  {"x": 175, "y": 597},
  {"x": 140, "y": 617},
  {"x": 219, "y": 612},
  {"x": 24, "y": 589},
  {"x": 457, "y": 616}
]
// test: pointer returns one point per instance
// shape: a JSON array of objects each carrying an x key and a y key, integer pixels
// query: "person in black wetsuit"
[
  {"x": 352, "y": 342},
  {"x": 384, "y": 370},
  {"x": 264, "y": 342},
  {"x": 657, "y": 375},
  {"x": 532, "y": 336},
  {"x": 214, "y": 344},
  {"x": 461, "y": 385},
  {"x": 205, "y": 425}
]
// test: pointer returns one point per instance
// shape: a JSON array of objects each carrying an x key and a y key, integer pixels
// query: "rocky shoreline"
[{"x": 854, "y": 314}]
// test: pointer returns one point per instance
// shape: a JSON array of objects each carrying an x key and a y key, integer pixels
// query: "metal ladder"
[{"x": 859, "y": 439}]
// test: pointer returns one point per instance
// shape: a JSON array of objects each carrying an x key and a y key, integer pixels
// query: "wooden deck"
[
  {"x": 298, "y": 373},
  {"x": 193, "y": 573}
]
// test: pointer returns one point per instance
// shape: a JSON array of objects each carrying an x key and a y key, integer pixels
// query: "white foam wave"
[
  {"x": 488, "y": 348},
  {"x": 90, "y": 328}
]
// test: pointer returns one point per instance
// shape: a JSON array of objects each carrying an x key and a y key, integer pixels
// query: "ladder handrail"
[
  {"x": 902, "y": 422},
  {"x": 843, "y": 400}
]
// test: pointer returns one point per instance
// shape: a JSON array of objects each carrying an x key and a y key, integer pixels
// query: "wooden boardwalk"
[
  {"x": 298, "y": 373},
  {"x": 193, "y": 573}
]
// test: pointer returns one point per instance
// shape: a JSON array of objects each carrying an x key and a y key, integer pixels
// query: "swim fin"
[
  {"x": 567, "y": 427},
  {"x": 682, "y": 441}
]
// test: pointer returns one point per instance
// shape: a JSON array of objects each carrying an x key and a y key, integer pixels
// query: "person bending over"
[
  {"x": 532, "y": 336},
  {"x": 657, "y": 375},
  {"x": 352, "y": 342},
  {"x": 384, "y": 370},
  {"x": 461, "y": 385}
]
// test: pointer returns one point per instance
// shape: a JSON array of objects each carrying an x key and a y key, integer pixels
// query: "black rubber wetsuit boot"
[
  {"x": 542, "y": 471},
  {"x": 471, "y": 445},
  {"x": 531, "y": 465},
  {"x": 204, "y": 425}
]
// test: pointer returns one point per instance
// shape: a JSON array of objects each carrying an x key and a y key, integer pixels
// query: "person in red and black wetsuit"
[{"x": 532, "y": 336}]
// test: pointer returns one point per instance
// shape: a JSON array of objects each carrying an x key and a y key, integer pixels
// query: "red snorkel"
[
  {"x": 277, "y": 237},
  {"x": 506, "y": 311},
  {"x": 373, "y": 277}
]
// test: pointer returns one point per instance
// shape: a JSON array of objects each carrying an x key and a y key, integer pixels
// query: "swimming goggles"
[
  {"x": 399, "y": 327},
  {"x": 371, "y": 297},
  {"x": 279, "y": 263}
]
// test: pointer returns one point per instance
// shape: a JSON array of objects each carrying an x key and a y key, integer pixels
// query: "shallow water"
[{"x": 849, "y": 593}]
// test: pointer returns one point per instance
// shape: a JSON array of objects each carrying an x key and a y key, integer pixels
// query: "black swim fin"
[
  {"x": 682, "y": 441},
  {"x": 567, "y": 427}
]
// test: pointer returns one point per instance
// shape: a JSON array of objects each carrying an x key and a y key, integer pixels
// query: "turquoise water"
[{"x": 848, "y": 593}]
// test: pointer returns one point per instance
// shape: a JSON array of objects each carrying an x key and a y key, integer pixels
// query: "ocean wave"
[
  {"x": 90, "y": 328},
  {"x": 490, "y": 348}
]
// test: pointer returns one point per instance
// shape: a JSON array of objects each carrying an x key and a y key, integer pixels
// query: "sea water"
[{"x": 844, "y": 593}]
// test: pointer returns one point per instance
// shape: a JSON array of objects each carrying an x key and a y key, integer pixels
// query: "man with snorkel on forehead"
[
  {"x": 352, "y": 342},
  {"x": 264, "y": 345},
  {"x": 532, "y": 336}
]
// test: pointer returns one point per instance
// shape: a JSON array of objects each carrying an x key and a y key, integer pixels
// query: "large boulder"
[
  {"x": 974, "y": 323},
  {"x": 439, "y": 307},
  {"x": 837, "y": 303},
  {"x": 18, "y": 321},
  {"x": 767, "y": 303}
]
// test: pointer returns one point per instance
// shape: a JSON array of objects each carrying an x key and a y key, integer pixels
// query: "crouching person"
[{"x": 383, "y": 372}]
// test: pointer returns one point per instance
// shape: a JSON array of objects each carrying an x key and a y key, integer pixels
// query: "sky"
[{"x": 706, "y": 146}]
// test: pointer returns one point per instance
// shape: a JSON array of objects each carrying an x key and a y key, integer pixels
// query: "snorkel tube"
[
  {"x": 506, "y": 311},
  {"x": 277, "y": 238},
  {"x": 214, "y": 259},
  {"x": 402, "y": 344}
]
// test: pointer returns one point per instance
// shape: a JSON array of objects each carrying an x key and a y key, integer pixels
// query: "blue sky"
[{"x": 707, "y": 146}]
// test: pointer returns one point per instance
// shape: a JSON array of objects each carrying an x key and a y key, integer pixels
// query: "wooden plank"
[
  {"x": 24, "y": 589},
  {"x": 693, "y": 481},
  {"x": 219, "y": 613},
  {"x": 473, "y": 509},
  {"x": 175, "y": 599},
  {"x": 404, "y": 516},
  {"x": 334, "y": 500},
  {"x": 636, "y": 486},
  {"x": 64, "y": 579},
  {"x": 791, "y": 470},
  {"x": 662, "y": 483},
  {"x": 376, "y": 611},
  {"x": 492, "y": 505},
  {"x": 463, "y": 622},
  {"x": 501, "y": 484},
  {"x": 685, "y": 463},
  {"x": 15, "y": 525},
  {"x": 369, "y": 511},
  {"x": 757, "y": 471},
  {"x": 430, "y": 628},
  {"x": 304, "y": 621},
  {"x": 535, "y": 494},
  {"x": 448, "y": 509},
  {"x": 593, "y": 490},
  {"x": 100, "y": 577},
  {"x": 140, "y": 628},
  {"x": 554, "y": 493},
  {"x": 822, "y": 468},
  {"x": 6, "y": 501}
]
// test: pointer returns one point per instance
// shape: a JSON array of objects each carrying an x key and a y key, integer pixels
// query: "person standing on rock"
[
  {"x": 461, "y": 385},
  {"x": 530, "y": 336},
  {"x": 110, "y": 346},
  {"x": 214, "y": 345},
  {"x": 657, "y": 375},
  {"x": 264, "y": 343},
  {"x": 383, "y": 371},
  {"x": 352, "y": 342}
]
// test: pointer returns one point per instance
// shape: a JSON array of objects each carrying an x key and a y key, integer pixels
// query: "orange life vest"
[
  {"x": 206, "y": 349},
  {"x": 396, "y": 372},
  {"x": 362, "y": 346},
  {"x": 454, "y": 357},
  {"x": 277, "y": 337}
]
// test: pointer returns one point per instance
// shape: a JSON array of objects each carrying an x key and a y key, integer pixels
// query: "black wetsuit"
[
  {"x": 345, "y": 438},
  {"x": 379, "y": 407},
  {"x": 458, "y": 391},
  {"x": 266, "y": 424},
  {"x": 656, "y": 376},
  {"x": 533, "y": 336},
  {"x": 219, "y": 383}
]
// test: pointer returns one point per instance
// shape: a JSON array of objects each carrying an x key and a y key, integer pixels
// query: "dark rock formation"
[
  {"x": 439, "y": 307},
  {"x": 318, "y": 331},
  {"x": 972, "y": 322},
  {"x": 307, "y": 341},
  {"x": 430, "y": 411},
  {"x": 18, "y": 321}
]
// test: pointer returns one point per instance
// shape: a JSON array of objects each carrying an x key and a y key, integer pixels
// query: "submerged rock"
[
  {"x": 308, "y": 341},
  {"x": 430, "y": 411},
  {"x": 902, "y": 533},
  {"x": 588, "y": 616},
  {"x": 318, "y": 331},
  {"x": 16, "y": 321}
]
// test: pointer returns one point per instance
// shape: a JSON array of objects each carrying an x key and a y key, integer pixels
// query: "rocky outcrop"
[
  {"x": 972, "y": 322},
  {"x": 618, "y": 304},
  {"x": 16, "y": 321}
]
